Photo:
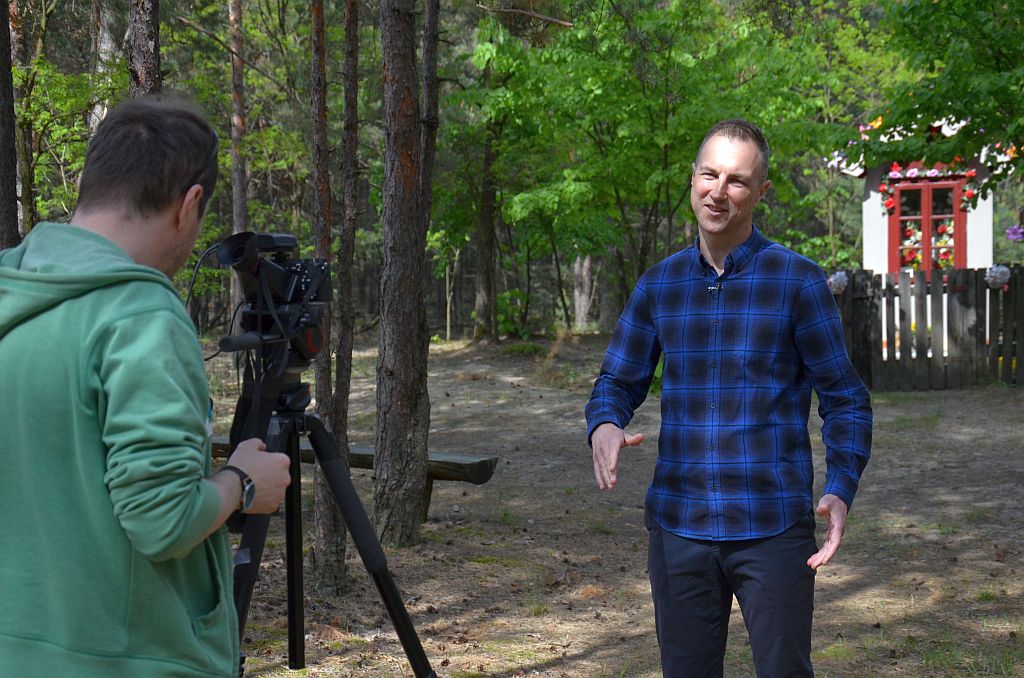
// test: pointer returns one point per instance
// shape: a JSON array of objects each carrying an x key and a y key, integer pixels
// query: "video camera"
[{"x": 285, "y": 298}]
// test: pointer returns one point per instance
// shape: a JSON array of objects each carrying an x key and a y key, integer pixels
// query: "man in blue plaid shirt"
[{"x": 745, "y": 328}]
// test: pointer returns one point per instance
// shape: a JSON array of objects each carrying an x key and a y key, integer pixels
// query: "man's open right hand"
[{"x": 606, "y": 442}]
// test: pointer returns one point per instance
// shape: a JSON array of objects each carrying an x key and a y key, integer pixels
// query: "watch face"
[{"x": 248, "y": 493}]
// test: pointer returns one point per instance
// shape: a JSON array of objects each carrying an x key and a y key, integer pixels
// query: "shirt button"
[
  {"x": 713, "y": 406},
  {"x": 711, "y": 447},
  {"x": 715, "y": 323},
  {"x": 714, "y": 364}
]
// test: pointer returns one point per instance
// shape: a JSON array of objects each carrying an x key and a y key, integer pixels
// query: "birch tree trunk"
[
  {"x": 403, "y": 404},
  {"x": 328, "y": 552},
  {"x": 144, "y": 47},
  {"x": 23, "y": 137},
  {"x": 104, "y": 52},
  {"x": 582, "y": 290}
]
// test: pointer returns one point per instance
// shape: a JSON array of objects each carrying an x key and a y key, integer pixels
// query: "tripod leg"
[
  {"x": 247, "y": 564},
  {"x": 254, "y": 538},
  {"x": 365, "y": 539},
  {"x": 293, "y": 557}
]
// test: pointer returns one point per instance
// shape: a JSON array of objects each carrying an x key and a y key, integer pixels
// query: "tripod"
[{"x": 273, "y": 407}]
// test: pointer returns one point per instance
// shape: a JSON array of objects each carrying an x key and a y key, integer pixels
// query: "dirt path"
[{"x": 537, "y": 573}]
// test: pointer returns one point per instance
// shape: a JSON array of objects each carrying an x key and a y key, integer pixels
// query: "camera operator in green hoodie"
[{"x": 113, "y": 560}]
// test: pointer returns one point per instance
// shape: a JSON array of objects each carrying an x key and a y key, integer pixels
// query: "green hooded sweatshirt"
[{"x": 103, "y": 504}]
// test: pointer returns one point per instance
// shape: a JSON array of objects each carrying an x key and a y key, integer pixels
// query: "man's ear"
[
  {"x": 189, "y": 202},
  {"x": 764, "y": 188}
]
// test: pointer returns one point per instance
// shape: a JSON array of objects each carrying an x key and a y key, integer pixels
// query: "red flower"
[
  {"x": 908, "y": 233},
  {"x": 969, "y": 194},
  {"x": 890, "y": 204},
  {"x": 882, "y": 188},
  {"x": 895, "y": 167},
  {"x": 945, "y": 254},
  {"x": 970, "y": 174},
  {"x": 941, "y": 229}
]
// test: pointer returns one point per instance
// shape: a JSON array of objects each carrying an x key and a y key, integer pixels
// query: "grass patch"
[
  {"x": 535, "y": 608},
  {"x": 522, "y": 348},
  {"x": 512, "y": 652},
  {"x": 842, "y": 652},
  {"x": 978, "y": 514},
  {"x": 987, "y": 597},
  {"x": 495, "y": 560},
  {"x": 600, "y": 528},
  {"x": 474, "y": 532}
]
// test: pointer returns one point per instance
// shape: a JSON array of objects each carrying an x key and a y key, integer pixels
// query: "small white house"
[{"x": 925, "y": 218}]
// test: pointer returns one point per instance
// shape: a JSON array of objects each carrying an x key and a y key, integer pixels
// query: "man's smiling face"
[{"x": 726, "y": 186}]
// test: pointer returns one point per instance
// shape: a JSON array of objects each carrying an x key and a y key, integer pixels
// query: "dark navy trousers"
[{"x": 693, "y": 582}]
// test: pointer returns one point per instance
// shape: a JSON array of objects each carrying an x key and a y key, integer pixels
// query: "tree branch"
[
  {"x": 525, "y": 12},
  {"x": 288, "y": 91}
]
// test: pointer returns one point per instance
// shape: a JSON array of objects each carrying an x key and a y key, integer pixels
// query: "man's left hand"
[{"x": 835, "y": 509}]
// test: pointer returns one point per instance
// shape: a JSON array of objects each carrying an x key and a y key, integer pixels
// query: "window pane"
[
  {"x": 942, "y": 201},
  {"x": 943, "y": 238},
  {"x": 910, "y": 202},
  {"x": 910, "y": 244}
]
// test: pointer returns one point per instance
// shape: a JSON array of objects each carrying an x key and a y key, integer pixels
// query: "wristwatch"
[{"x": 248, "y": 487}]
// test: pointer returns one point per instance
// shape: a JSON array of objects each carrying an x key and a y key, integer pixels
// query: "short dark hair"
[
  {"x": 744, "y": 131},
  {"x": 145, "y": 154}
]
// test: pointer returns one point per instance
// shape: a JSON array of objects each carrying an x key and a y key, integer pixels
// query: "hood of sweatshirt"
[{"x": 57, "y": 262}]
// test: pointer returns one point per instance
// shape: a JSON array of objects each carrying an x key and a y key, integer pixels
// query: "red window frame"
[{"x": 926, "y": 221}]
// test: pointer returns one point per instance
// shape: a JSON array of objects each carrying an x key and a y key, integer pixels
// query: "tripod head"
[
  {"x": 285, "y": 298},
  {"x": 285, "y": 302}
]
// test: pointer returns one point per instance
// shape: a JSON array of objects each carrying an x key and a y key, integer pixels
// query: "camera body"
[{"x": 285, "y": 298}]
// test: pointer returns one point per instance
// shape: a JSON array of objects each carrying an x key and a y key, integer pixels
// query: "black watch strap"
[{"x": 248, "y": 487}]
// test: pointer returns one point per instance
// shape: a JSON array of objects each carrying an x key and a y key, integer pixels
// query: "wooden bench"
[{"x": 468, "y": 468}]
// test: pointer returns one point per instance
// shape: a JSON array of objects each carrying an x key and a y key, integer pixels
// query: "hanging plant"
[
  {"x": 969, "y": 198},
  {"x": 887, "y": 187}
]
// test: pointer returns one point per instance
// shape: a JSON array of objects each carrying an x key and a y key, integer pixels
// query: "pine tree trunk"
[
  {"x": 239, "y": 188},
  {"x": 144, "y": 47},
  {"x": 9, "y": 236},
  {"x": 486, "y": 306},
  {"x": 403, "y": 404},
  {"x": 344, "y": 318},
  {"x": 328, "y": 552},
  {"x": 428, "y": 131}
]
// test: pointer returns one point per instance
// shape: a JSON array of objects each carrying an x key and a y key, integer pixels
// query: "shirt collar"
[{"x": 742, "y": 255}]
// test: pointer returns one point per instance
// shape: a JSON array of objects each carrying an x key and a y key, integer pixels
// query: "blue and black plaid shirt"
[{"x": 741, "y": 353}]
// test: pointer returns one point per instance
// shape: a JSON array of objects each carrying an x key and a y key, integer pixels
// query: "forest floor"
[{"x": 537, "y": 573}]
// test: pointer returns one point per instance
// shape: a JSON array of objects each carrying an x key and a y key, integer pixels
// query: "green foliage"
[
  {"x": 57, "y": 109},
  {"x": 1009, "y": 212},
  {"x": 819, "y": 249},
  {"x": 510, "y": 307},
  {"x": 969, "y": 54},
  {"x": 593, "y": 128}
]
